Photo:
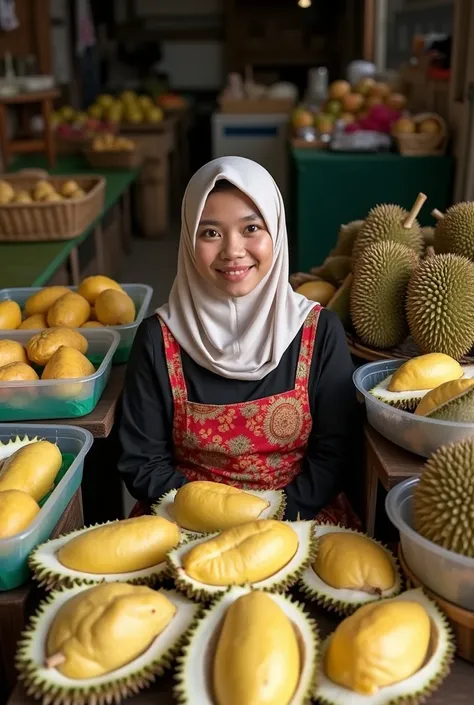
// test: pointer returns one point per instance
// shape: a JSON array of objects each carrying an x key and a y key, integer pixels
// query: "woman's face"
[{"x": 234, "y": 249}]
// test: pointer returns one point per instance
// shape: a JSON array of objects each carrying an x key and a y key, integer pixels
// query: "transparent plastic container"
[
  {"x": 448, "y": 574},
  {"x": 59, "y": 398},
  {"x": 14, "y": 551},
  {"x": 139, "y": 293},
  {"x": 414, "y": 433}
]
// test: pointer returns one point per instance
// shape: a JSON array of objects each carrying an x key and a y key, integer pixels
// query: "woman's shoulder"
[
  {"x": 329, "y": 324},
  {"x": 149, "y": 334}
]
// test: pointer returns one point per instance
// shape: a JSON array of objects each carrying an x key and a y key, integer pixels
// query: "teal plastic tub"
[
  {"x": 74, "y": 444},
  {"x": 139, "y": 293},
  {"x": 59, "y": 398}
]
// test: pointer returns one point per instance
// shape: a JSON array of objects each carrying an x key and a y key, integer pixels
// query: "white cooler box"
[{"x": 261, "y": 137}]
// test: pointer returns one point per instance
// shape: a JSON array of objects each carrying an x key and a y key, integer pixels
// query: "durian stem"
[
  {"x": 410, "y": 219},
  {"x": 437, "y": 214},
  {"x": 55, "y": 660}
]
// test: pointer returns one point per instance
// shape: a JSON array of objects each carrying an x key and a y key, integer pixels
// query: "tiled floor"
[{"x": 151, "y": 262}]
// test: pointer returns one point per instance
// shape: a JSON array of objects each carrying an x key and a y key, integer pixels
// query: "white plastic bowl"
[
  {"x": 414, "y": 433},
  {"x": 447, "y": 574}
]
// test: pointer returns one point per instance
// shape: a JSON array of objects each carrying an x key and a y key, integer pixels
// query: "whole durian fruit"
[
  {"x": 378, "y": 293},
  {"x": 389, "y": 222},
  {"x": 455, "y": 230},
  {"x": 443, "y": 501},
  {"x": 346, "y": 237},
  {"x": 440, "y": 305}
]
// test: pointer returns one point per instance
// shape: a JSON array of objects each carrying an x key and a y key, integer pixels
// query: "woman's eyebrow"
[
  {"x": 252, "y": 216},
  {"x": 209, "y": 222}
]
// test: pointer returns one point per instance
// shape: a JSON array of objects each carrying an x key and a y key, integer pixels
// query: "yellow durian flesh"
[
  {"x": 17, "y": 511},
  {"x": 32, "y": 469},
  {"x": 349, "y": 561},
  {"x": 106, "y": 627},
  {"x": 120, "y": 547},
  {"x": 210, "y": 506},
  {"x": 257, "y": 660},
  {"x": 441, "y": 395},
  {"x": 380, "y": 644},
  {"x": 244, "y": 554},
  {"x": 425, "y": 372}
]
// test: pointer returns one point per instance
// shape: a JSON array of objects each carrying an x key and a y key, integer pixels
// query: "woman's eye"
[
  {"x": 252, "y": 228},
  {"x": 210, "y": 234}
]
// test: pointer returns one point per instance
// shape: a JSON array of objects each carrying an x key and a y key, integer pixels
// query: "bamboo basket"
[
  {"x": 123, "y": 159},
  {"x": 404, "y": 351},
  {"x": 421, "y": 144},
  {"x": 42, "y": 221},
  {"x": 461, "y": 620}
]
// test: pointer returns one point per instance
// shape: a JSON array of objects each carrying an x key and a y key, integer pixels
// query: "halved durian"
[
  {"x": 43, "y": 680},
  {"x": 406, "y": 401},
  {"x": 290, "y": 546},
  {"x": 370, "y": 666},
  {"x": 14, "y": 444},
  {"x": 409, "y": 400},
  {"x": 346, "y": 600},
  {"x": 195, "y": 673},
  {"x": 209, "y": 518},
  {"x": 52, "y": 566}
]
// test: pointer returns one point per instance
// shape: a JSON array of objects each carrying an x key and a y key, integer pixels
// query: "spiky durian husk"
[
  {"x": 279, "y": 582},
  {"x": 334, "y": 269},
  {"x": 445, "y": 650},
  {"x": 378, "y": 293},
  {"x": 384, "y": 223},
  {"x": 443, "y": 500},
  {"x": 14, "y": 444},
  {"x": 50, "y": 574},
  {"x": 341, "y": 301},
  {"x": 346, "y": 238},
  {"x": 310, "y": 650},
  {"x": 459, "y": 409},
  {"x": 406, "y": 401},
  {"x": 344, "y": 602},
  {"x": 162, "y": 506},
  {"x": 112, "y": 687},
  {"x": 455, "y": 231},
  {"x": 440, "y": 305}
]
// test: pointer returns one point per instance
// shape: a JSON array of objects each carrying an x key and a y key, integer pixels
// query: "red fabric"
[{"x": 251, "y": 445}]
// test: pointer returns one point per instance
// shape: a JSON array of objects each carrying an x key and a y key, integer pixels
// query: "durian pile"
[
  {"x": 113, "y": 622},
  {"x": 388, "y": 279},
  {"x": 433, "y": 386},
  {"x": 42, "y": 192},
  {"x": 56, "y": 353},
  {"x": 99, "y": 301},
  {"x": 28, "y": 470}
]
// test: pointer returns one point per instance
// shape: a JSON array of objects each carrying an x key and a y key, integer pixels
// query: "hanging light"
[{"x": 304, "y": 3}]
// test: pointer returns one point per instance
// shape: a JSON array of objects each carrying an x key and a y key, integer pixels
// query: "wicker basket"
[
  {"x": 404, "y": 351},
  {"x": 43, "y": 221},
  {"x": 123, "y": 159},
  {"x": 299, "y": 278},
  {"x": 421, "y": 144},
  {"x": 461, "y": 620}
]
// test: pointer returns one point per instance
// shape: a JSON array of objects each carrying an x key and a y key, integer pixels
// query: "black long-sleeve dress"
[{"x": 146, "y": 431}]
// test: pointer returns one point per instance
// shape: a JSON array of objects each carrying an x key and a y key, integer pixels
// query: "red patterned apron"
[{"x": 251, "y": 445}]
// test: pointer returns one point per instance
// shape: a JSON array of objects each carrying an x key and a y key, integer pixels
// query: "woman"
[{"x": 238, "y": 379}]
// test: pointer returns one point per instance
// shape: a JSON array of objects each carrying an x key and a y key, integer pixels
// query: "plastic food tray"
[
  {"x": 59, "y": 398},
  {"x": 448, "y": 574},
  {"x": 15, "y": 550},
  {"x": 414, "y": 433},
  {"x": 140, "y": 294}
]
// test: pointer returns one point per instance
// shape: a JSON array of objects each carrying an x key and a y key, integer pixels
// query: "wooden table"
[
  {"x": 456, "y": 690},
  {"x": 16, "y": 605},
  {"x": 388, "y": 464}
]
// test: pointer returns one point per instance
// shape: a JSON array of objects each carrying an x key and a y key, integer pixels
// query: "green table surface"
[
  {"x": 329, "y": 189},
  {"x": 34, "y": 263}
]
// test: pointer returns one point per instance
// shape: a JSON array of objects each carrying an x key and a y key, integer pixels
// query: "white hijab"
[{"x": 241, "y": 338}]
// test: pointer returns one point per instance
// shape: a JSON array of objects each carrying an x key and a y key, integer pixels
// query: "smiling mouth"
[{"x": 234, "y": 275}]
